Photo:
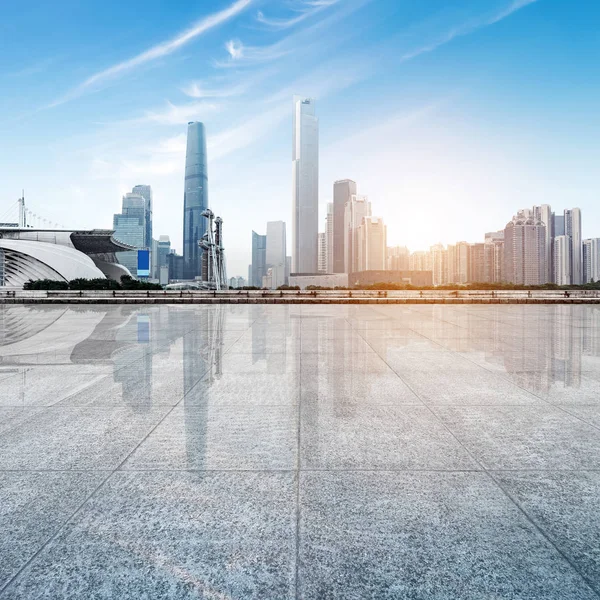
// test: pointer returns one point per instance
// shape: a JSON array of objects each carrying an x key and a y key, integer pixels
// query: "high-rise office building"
[
  {"x": 343, "y": 191},
  {"x": 458, "y": 262},
  {"x": 259, "y": 260},
  {"x": 305, "y": 186},
  {"x": 573, "y": 230},
  {"x": 195, "y": 199},
  {"x": 372, "y": 244},
  {"x": 525, "y": 250},
  {"x": 275, "y": 252},
  {"x": 356, "y": 209},
  {"x": 591, "y": 260},
  {"x": 329, "y": 238},
  {"x": 322, "y": 266},
  {"x": 145, "y": 191},
  {"x": 130, "y": 228},
  {"x": 562, "y": 260}
]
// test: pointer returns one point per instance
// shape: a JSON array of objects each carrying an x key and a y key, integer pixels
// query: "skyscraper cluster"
[{"x": 537, "y": 246}]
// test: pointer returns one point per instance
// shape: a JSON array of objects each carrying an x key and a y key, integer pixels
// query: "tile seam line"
[
  {"x": 507, "y": 379},
  {"x": 509, "y": 497},
  {"x": 96, "y": 490}
]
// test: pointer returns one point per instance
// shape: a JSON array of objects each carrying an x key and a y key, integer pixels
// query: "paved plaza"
[{"x": 316, "y": 452}]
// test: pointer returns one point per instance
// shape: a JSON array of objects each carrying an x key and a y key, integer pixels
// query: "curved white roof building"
[{"x": 56, "y": 254}]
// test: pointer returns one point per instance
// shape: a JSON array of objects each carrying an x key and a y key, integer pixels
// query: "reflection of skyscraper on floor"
[
  {"x": 590, "y": 331},
  {"x": 566, "y": 347},
  {"x": 202, "y": 364}
]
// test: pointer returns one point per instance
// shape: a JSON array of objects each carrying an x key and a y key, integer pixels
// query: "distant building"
[
  {"x": 439, "y": 264},
  {"x": 322, "y": 264},
  {"x": 477, "y": 271},
  {"x": 573, "y": 230},
  {"x": 398, "y": 258},
  {"x": 259, "y": 259},
  {"x": 524, "y": 250},
  {"x": 372, "y": 244},
  {"x": 275, "y": 253},
  {"x": 343, "y": 191},
  {"x": 420, "y": 261},
  {"x": 494, "y": 259},
  {"x": 162, "y": 252},
  {"x": 591, "y": 260},
  {"x": 305, "y": 185},
  {"x": 130, "y": 226},
  {"x": 544, "y": 214},
  {"x": 357, "y": 207},
  {"x": 176, "y": 266},
  {"x": 329, "y": 238},
  {"x": 562, "y": 260},
  {"x": 458, "y": 262}
]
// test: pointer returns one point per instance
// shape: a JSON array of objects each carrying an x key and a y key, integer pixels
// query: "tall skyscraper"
[
  {"x": 259, "y": 259},
  {"x": 562, "y": 260},
  {"x": 372, "y": 244},
  {"x": 130, "y": 228},
  {"x": 477, "y": 272},
  {"x": 591, "y": 260},
  {"x": 195, "y": 199},
  {"x": 525, "y": 250},
  {"x": 145, "y": 191},
  {"x": 275, "y": 252},
  {"x": 357, "y": 207},
  {"x": 544, "y": 214},
  {"x": 343, "y": 191},
  {"x": 305, "y": 186},
  {"x": 329, "y": 238},
  {"x": 573, "y": 230}
]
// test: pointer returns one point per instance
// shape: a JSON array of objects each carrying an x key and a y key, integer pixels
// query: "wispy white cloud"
[
  {"x": 466, "y": 28},
  {"x": 179, "y": 114},
  {"x": 306, "y": 10},
  {"x": 240, "y": 55},
  {"x": 196, "y": 89},
  {"x": 156, "y": 52}
]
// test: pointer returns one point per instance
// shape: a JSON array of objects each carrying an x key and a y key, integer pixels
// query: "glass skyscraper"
[
  {"x": 195, "y": 199},
  {"x": 305, "y": 186}
]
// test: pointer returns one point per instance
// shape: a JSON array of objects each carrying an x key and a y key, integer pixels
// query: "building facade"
[
  {"x": 372, "y": 244},
  {"x": 398, "y": 258},
  {"x": 343, "y": 191},
  {"x": 322, "y": 265},
  {"x": 591, "y": 260},
  {"x": 562, "y": 260},
  {"x": 130, "y": 226},
  {"x": 305, "y": 186},
  {"x": 573, "y": 230},
  {"x": 356, "y": 209},
  {"x": 195, "y": 199},
  {"x": 329, "y": 238},
  {"x": 275, "y": 252},
  {"x": 525, "y": 250},
  {"x": 259, "y": 260}
]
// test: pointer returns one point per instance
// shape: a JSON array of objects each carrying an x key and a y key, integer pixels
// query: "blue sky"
[{"x": 449, "y": 114}]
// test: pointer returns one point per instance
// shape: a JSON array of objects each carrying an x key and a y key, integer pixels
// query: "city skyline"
[{"x": 436, "y": 129}]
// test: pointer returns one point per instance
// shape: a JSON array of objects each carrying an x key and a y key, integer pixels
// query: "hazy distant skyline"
[{"x": 449, "y": 118}]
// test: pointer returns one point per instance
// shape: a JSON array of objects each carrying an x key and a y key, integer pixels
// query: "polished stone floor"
[{"x": 264, "y": 451}]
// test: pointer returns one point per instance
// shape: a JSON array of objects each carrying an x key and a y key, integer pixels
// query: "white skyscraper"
[
  {"x": 275, "y": 252},
  {"x": 573, "y": 230},
  {"x": 305, "y": 182},
  {"x": 562, "y": 260},
  {"x": 591, "y": 260}
]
